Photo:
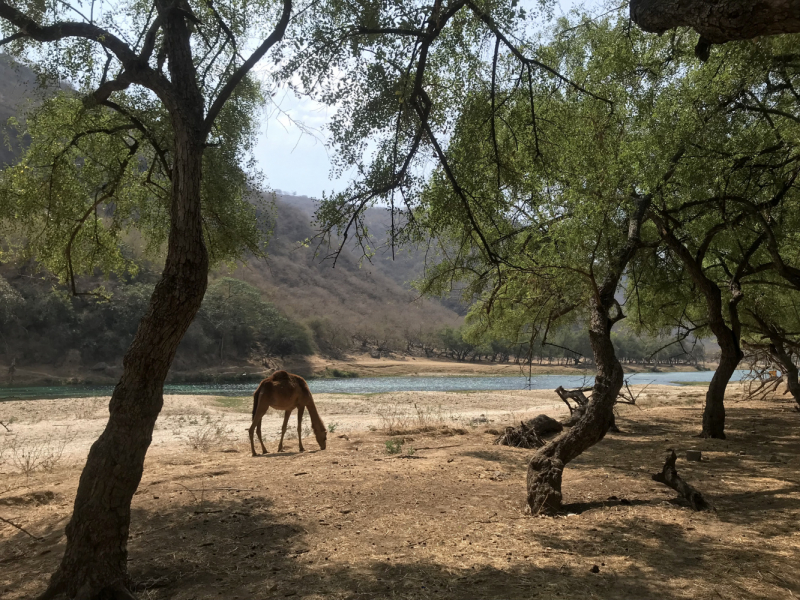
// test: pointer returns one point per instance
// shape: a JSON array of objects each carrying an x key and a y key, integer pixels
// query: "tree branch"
[
  {"x": 719, "y": 21},
  {"x": 236, "y": 78},
  {"x": 57, "y": 31}
]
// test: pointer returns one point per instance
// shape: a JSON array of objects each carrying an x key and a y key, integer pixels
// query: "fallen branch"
[
  {"x": 38, "y": 539},
  {"x": 5, "y": 426},
  {"x": 669, "y": 477}
]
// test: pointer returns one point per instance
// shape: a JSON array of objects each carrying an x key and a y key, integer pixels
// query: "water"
[{"x": 375, "y": 385}]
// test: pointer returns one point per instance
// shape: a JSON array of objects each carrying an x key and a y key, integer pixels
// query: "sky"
[{"x": 291, "y": 149}]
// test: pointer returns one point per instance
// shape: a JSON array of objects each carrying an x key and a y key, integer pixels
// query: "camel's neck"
[{"x": 316, "y": 420}]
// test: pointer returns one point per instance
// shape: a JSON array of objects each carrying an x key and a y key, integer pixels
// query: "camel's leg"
[
  {"x": 250, "y": 432},
  {"x": 283, "y": 429},
  {"x": 261, "y": 441},
  {"x": 256, "y": 423},
  {"x": 300, "y": 410}
]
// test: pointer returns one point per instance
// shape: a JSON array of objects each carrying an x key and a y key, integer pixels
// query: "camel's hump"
[{"x": 282, "y": 375}]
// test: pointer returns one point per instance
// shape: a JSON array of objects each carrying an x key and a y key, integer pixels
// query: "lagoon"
[{"x": 378, "y": 385}]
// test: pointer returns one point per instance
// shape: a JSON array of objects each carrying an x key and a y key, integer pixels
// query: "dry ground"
[{"x": 445, "y": 523}]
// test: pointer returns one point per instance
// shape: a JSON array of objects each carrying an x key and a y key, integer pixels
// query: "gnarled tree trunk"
[
  {"x": 546, "y": 468},
  {"x": 789, "y": 369},
  {"x": 792, "y": 383},
  {"x": 729, "y": 358},
  {"x": 95, "y": 560},
  {"x": 719, "y": 21},
  {"x": 727, "y": 336}
]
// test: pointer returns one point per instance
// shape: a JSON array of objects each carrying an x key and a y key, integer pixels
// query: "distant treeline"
[
  {"x": 571, "y": 347},
  {"x": 44, "y": 326}
]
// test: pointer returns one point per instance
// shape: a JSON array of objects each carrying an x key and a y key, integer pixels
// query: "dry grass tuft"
[
  {"x": 399, "y": 419},
  {"x": 29, "y": 456},
  {"x": 211, "y": 434}
]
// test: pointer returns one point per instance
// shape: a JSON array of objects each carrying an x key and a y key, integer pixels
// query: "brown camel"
[{"x": 285, "y": 391}]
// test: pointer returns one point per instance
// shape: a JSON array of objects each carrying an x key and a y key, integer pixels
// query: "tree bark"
[
  {"x": 95, "y": 560},
  {"x": 714, "y": 410},
  {"x": 719, "y": 21},
  {"x": 790, "y": 374},
  {"x": 792, "y": 383},
  {"x": 669, "y": 477}
]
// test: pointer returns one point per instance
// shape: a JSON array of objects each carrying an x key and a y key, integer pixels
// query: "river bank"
[{"x": 310, "y": 367}]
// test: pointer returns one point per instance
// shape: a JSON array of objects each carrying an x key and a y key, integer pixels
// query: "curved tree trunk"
[
  {"x": 790, "y": 373},
  {"x": 95, "y": 560},
  {"x": 546, "y": 468},
  {"x": 728, "y": 337},
  {"x": 792, "y": 383},
  {"x": 714, "y": 411}
]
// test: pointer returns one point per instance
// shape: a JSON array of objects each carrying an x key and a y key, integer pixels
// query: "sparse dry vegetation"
[
  {"x": 28, "y": 455},
  {"x": 209, "y": 433},
  {"x": 397, "y": 419}
]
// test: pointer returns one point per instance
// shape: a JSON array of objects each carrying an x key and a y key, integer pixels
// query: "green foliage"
[
  {"x": 41, "y": 326},
  {"x": 394, "y": 446},
  {"x": 89, "y": 177},
  {"x": 453, "y": 343},
  {"x": 235, "y": 316},
  {"x": 538, "y": 178}
]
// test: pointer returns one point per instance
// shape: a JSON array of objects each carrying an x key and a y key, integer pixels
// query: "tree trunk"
[
  {"x": 669, "y": 477},
  {"x": 546, "y": 468},
  {"x": 719, "y": 21},
  {"x": 789, "y": 369},
  {"x": 792, "y": 383},
  {"x": 727, "y": 337},
  {"x": 714, "y": 411},
  {"x": 95, "y": 560}
]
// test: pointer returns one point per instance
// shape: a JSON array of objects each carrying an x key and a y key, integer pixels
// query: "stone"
[{"x": 694, "y": 455}]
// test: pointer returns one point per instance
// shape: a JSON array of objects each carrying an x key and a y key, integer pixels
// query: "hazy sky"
[{"x": 298, "y": 161}]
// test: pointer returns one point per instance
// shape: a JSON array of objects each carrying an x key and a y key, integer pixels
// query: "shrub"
[{"x": 394, "y": 446}]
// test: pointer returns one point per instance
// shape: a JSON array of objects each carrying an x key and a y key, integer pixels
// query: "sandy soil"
[{"x": 445, "y": 521}]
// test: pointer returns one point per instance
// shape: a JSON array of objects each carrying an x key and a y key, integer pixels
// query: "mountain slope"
[{"x": 369, "y": 302}]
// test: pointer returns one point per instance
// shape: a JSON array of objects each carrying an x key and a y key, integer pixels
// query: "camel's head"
[{"x": 322, "y": 435}]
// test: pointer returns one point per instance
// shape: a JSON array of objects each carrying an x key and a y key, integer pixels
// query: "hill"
[{"x": 369, "y": 302}]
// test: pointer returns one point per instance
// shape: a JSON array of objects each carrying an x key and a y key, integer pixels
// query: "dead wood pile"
[{"x": 529, "y": 433}]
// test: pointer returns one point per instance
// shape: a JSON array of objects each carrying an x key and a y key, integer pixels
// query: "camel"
[{"x": 285, "y": 391}]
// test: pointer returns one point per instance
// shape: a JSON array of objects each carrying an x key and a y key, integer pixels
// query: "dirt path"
[{"x": 447, "y": 523}]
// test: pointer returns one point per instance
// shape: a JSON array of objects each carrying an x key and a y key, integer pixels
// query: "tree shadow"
[{"x": 247, "y": 551}]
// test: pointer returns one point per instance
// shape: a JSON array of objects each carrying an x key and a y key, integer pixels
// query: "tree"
[
  {"x": 538, "y": 202},
  {"x": 166, "y": 102},
  {"x": 733, "y": 195},
  {"x": 234, "y": 313},
  {"x": 771, "y": 326},
  {"x": 545, "y": 194}
]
